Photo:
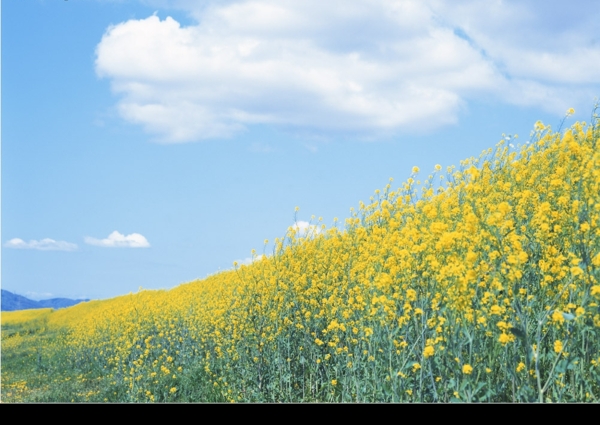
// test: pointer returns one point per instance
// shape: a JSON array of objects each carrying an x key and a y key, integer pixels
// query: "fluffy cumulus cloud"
[
  {"x": 363, "y": 66},
  {"x": 117, "y": 240},
  {"x": 46, "y": 244},
  {"x": 548, "y": 56},
  {"x": 304, "y": 228},
  {"x": 247, "y": 261}
]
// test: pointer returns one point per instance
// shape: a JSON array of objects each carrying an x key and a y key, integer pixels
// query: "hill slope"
[{"x": 484, "y": 287}]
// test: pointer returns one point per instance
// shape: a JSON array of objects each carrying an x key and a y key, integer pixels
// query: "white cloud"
[
  {"x": 247, "y": 261},
  {"x": 549, "y": 56},
  {"x": 311, "y": 148},
  {"x": 260, "y": 148},
  {"x": 42, "y": 245},
  {"x": 368, "y": 67},
  {"x": 304, "y": 228},
  {"x": 117, "y": 240},
  {"x": 39, "y": 295}
]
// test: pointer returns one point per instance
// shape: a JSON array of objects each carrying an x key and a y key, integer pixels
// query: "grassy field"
[{"x": 480, "y": 283}]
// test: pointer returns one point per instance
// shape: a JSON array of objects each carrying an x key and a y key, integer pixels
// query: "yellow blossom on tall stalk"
[
  {"x": 429, "y": 351},
  {"x": 558, "y": 346}
]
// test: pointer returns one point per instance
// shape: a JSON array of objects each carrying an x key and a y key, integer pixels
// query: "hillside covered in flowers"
[{"x": 478, "y": 284}]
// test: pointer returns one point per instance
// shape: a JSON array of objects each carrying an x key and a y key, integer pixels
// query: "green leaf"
[
  {"x": 562, "y": 366},
  {"x": 568, "y": 316},
  {"x": 478, "y": 388},
  {"x": 529, "y": 354},
  {"x": 518, "y": 307},
  {"x": 518, "y": 332}
]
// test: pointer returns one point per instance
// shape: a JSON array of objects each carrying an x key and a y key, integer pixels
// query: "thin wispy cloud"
[
  {"x": 368, "y": 67},
  {"x": 260, "y": 148},
  {"x": 46, "y": 244},
  {"x": 39, "y": 295},
  {"x": 118, "y": 240}
]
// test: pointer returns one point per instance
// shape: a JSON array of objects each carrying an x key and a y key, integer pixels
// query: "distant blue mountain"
[{"x": 12, "y": 302}]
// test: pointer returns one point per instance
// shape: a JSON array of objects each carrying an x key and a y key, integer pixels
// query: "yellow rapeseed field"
[{"x": 478, "y": 284}]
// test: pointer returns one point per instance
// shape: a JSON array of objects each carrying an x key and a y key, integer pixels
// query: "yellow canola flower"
[
  {"x": 557, "y": 317},
  {"x": 506, "y": 338},
  {"x": 496, "y": 310},
  {"x": 467, "y": 369},
  {"x": 558, "y": 346},
  {"x": 429, "y": 351}
]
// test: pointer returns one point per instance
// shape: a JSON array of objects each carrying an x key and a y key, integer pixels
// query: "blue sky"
[{"x": 151, "y": 143}]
